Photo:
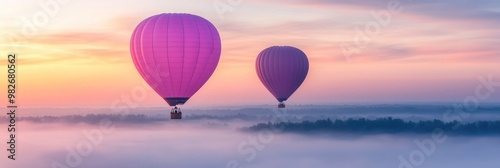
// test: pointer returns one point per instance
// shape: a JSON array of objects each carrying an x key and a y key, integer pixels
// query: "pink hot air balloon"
[
  {"x": 176, "y": 54},
  {"x": 282, "y": 69}
]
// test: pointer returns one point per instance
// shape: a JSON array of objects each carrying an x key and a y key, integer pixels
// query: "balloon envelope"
[
  {"x": 282, "y": 69},
  {"x": 176, "y": 54}
]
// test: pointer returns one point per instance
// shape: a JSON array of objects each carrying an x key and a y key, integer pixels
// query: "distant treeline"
[
  {"x": 382, "y": 126},
  {"x": 387, "y": 125}
]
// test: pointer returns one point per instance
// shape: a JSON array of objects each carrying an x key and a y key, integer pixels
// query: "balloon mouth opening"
[
  {"x": 281, "y": 100},
  {"x": 174, "y": 101}
]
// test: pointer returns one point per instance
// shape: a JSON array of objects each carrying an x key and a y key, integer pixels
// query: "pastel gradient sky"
[{"x": 433, "y": 50}]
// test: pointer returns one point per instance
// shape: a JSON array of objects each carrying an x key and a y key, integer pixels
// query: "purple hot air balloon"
[
  {"x": 176, "y": 54},
  {"x": 282, "y": 69}
]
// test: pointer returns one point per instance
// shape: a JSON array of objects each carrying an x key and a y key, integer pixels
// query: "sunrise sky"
[{"x": 430, "y": 51}]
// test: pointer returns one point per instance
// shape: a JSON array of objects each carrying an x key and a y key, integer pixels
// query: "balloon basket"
[
  {"x": 176, "y": 115},
  {"x": 281, "y": 105}
]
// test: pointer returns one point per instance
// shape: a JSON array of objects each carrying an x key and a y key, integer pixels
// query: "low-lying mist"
[{"x": 217, "y": 143}]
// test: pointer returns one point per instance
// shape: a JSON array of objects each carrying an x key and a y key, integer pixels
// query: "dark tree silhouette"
[{"x": 383, "y": 125}]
